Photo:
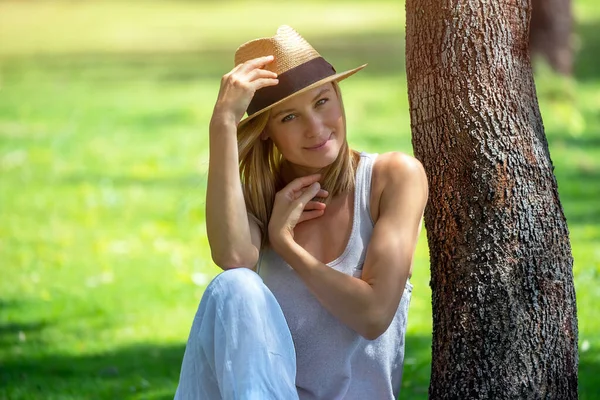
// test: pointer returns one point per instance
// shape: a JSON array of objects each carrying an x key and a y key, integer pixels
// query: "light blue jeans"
[{"x": 240, "y": 346}]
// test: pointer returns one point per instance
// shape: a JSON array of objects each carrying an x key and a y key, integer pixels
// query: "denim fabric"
[{"x": 240, "y": 346}]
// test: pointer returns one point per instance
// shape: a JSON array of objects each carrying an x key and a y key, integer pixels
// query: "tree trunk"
[
  {"x": 550, "y": 33},
  {"x": 504, "y": 312}
]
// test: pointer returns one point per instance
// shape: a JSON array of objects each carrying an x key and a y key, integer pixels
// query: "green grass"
[{"x": 103, "y": 156}]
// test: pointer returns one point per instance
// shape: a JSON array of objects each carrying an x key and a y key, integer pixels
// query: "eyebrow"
[{"x": 321, "y": 93}]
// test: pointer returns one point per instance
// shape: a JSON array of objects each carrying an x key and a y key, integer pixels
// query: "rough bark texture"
[
  {"x": 550, "y": 33},
  {"x": 504, "y": 312}
]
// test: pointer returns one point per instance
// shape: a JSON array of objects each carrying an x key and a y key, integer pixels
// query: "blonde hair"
[{"x": 260, "y": 169}]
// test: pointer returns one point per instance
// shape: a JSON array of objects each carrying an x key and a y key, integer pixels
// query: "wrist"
[
  {"x": 281, "y": 243},
  {"x": 296, "y": 257},
  {"x": 223, "y": 120}
]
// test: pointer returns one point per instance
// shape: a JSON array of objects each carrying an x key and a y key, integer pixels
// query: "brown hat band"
[{"x": 290, "y": 82}]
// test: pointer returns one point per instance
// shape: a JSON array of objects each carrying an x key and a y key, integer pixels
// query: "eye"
[
  {"x": 288, "y": 117},
  {"x": 322, "y": 101}
]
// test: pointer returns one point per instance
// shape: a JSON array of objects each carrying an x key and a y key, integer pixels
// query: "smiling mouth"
[{"x": 319, "y": 145}]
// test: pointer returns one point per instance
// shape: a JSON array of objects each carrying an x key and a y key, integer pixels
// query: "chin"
[{"x": 322, "y": 160}]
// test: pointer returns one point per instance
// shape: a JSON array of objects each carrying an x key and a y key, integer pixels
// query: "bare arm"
[
  {"x": 228, "y": 226},
  {"x": 368, "y": 305},
  {"x": 233, "y": 237}
]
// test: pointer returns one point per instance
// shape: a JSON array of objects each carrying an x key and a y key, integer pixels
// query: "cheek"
[
  {"x": 335, "y": 116},
  {"x": 338, "y": 123},
  {"x": 284, "y": 140}
]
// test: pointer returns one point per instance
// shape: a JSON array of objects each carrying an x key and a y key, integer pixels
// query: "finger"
[
  {"x": 307, "y": 215},
  {"x": 261, "y": 73},
  {"x": 322, "y": 193},
  {"x": 308, "y": 194},
  {"x": 264, "y": 82},
  {"x": 256, "y": 63},
  {"x": 302, "y": 182},
  {"x": 314, "y": 205}
]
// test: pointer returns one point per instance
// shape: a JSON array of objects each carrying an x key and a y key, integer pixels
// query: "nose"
[{"x": 314, "y": 125}]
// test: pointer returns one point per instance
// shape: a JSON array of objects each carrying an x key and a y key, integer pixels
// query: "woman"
[{"x": 316, "y": 240}]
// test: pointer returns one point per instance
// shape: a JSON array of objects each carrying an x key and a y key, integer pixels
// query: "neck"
[{"x": 290, "y": 171}]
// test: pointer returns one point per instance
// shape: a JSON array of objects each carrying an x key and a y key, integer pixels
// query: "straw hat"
[{"x": 298, "y": 65}]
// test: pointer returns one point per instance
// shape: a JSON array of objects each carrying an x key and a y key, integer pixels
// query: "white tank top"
[{"x": 333, "y": 361}]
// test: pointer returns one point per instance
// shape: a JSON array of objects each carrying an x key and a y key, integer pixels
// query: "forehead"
[{"x": 303, "y": 98}]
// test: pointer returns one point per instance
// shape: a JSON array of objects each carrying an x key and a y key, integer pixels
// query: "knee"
[{"x": 239, "y": 282}]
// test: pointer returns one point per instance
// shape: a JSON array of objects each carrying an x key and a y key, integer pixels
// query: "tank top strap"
[{"x": 364, "y": 175}]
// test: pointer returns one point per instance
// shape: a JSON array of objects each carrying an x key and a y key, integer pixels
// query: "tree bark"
[
  {"x": 504, "y": 311},
  {"x": 550, "y": 33}
]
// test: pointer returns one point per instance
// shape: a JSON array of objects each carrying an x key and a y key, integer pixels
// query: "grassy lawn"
[{"x": 104, "y": 109}]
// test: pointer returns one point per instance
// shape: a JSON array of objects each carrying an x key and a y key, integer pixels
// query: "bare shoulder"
[
  {"x": 394, "y": 173},
  {"x": 395, "y": 163}
]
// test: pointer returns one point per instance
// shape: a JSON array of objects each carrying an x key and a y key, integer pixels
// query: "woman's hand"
[
  {"x": 238, "y": 87},
  {"x": 293, "y": 205}
]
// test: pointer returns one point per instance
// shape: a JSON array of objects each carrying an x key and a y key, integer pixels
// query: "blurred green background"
[{"x": 104, "y": 108}]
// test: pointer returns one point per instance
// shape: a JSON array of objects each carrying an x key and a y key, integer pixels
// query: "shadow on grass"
[
  {"x": 384, "y": 52},
  {"x": 19, "y": 332},
  {"x": 151, "y": 371},
  {"x": 417, "y": 367},
  {"x": 585, "y": 142},
  {"x": 14, "y": 333},
  {"x": 28, "y": 372},
  {"x": 579, "y": 195},
  {"x": 589, "y": 368},
  {"x": 579, "y": 192},
  {"x": 588, "y": 55},
  {"x": 417, "y": 370},
  {"x": 147, "y": 369}
]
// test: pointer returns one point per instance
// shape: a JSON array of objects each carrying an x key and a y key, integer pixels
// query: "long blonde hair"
[{"x": 260, "y": 169}]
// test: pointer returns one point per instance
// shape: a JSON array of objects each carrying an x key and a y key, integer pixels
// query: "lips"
[{"x": 321, "y": 144}]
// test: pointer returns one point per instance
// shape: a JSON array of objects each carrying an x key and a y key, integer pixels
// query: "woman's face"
[{"x": 308, "y": 129}]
